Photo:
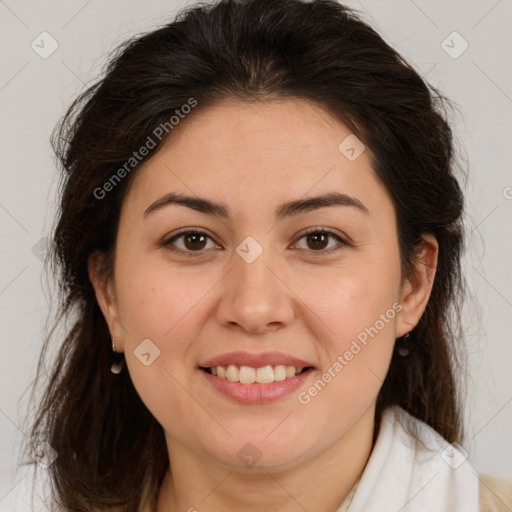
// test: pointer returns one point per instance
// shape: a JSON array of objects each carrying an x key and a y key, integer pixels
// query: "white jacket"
[{"x": 403, "y": 474}]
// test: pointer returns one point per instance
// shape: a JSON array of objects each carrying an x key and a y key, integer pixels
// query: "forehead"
[
  {"x": 287, "y": 129},
  {"x": 241, "y": 153}
]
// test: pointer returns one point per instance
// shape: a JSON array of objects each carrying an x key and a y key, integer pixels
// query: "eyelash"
[{"x": 168, "y": 244}]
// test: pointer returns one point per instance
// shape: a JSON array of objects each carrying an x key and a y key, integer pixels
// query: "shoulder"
[{"x": 495, "y": 493}]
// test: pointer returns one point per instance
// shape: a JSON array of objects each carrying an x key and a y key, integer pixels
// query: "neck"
[{"x": 320, "y": 483}]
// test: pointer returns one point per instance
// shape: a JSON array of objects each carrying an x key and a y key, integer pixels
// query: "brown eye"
[
  {"x": 194, "y": 241},
  {"x": 191, "y": 241},
  {"x": 317, "y": 240}
]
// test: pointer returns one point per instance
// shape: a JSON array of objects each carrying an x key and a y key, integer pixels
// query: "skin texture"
[{"x": 294, "y": 298}]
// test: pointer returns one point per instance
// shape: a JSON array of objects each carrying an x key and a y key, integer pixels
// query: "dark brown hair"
[{"x": 111, "y": 450}]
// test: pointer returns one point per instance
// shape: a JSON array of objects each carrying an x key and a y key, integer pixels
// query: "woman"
[{"x": 259, "y": 247}]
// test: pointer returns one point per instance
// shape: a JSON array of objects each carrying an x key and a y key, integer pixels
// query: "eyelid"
[
  {"x": 343, "y": 240},
  {"x": 168, "y": 241}
]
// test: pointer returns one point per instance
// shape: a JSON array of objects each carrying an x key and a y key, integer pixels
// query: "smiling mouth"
[{"x": 249, "y": 375}]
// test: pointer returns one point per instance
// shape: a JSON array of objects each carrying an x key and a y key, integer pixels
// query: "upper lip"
[{"x": 241, "y": 358}]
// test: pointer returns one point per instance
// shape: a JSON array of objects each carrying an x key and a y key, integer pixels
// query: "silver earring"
[
  {"x": 116, "y": 360},
  {"x": 403, "y": 347}
]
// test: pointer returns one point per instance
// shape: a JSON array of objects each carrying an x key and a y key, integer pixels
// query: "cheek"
[
  {"x": 358, "y": 312},
  {"x": 161, "y": 306},
  {"x": 157, "y": 304},
  {"x": 350, "y": 299},
  {"x": 157, "y": 300},
  {"x": 358, "y": 308}
]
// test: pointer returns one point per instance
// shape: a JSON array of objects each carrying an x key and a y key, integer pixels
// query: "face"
[{"x": 316, "y": 286}]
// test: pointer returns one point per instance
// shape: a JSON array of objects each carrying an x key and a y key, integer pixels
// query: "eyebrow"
[{"x": 289, "y": 209}]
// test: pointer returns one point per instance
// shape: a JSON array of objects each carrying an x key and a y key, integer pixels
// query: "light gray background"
[{"x": 34, "y": 93}]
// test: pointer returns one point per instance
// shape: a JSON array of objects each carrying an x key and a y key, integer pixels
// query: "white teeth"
[
  {"x": 290, "y": 371},
  {"x": 280, "y": 372},
  {"x": 232, "y": 373},
  {"x": 221, "y": 372},
  {"x": 264, "y": 375},
  {"x": 249, "y": 375}
]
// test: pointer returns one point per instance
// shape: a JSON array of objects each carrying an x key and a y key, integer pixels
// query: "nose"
[{"x": 255, "y": 297}]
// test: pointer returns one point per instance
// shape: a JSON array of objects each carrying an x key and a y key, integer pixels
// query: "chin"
[{"x": 259, "y": 454}]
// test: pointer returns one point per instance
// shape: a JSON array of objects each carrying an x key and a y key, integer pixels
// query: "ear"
[
  {"x": 105, "y": 295},
  {"x": 416, "y": 291}
]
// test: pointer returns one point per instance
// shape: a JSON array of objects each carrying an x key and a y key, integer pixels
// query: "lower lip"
[{"x": 256, "y": 393}]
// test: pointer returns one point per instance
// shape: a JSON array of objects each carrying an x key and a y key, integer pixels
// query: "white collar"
[{"x": 402, "y": 475}]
